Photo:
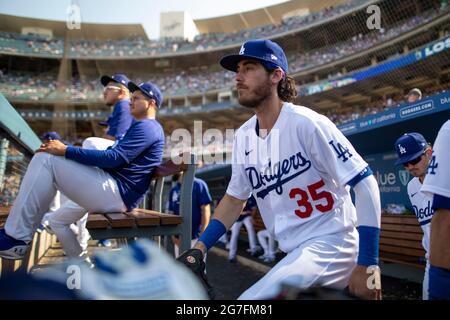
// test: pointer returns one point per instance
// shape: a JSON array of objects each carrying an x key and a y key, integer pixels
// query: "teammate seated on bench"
[{"x": 94, "y": 180}]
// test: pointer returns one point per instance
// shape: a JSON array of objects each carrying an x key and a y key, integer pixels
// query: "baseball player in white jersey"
[
  {"x": 297, "y": 164},
  {"x": 415, "y": 154},
  {"x": 437, "y": 183},
  {"x": 267, "y": 242}
]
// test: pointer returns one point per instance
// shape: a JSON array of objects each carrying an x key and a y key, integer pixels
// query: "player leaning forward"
[{"x": 298, "y": 165}]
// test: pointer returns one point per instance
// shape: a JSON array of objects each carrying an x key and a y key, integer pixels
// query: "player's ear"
[
  {"x": 124, "y": 92},
  {"x": 277, "y": 75}
]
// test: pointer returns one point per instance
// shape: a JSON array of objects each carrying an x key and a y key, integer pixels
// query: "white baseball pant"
[
  {"x": 89, "y": 189},
  {"x": 248, "y": 222},
  {"x": 327, "y": 262},
  {"x": 79, "y": 227},
  {"x": 267, "y": 242}
]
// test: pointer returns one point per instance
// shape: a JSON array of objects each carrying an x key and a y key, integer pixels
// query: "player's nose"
[{"x": 238, "y": 77}]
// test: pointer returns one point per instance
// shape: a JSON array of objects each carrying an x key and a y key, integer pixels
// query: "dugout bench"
[
  {"x": 124, "y": 226},
  {"x": 401, "y": 240},
  {"x": 148, "y": 223}
]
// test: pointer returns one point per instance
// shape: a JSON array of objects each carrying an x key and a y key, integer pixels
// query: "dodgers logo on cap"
[
  {"x": 118, "y": 78},
  {"x": 267, "y": 52},
  {"x": 409, "y": 147},
  {"x": 149, "y": 89}
]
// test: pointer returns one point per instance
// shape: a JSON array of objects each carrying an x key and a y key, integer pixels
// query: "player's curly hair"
[{"x": 287, "y": 91}]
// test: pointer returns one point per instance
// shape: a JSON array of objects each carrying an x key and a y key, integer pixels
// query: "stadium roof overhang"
[
  {"x": 264, "y": 16},
  {"x": 59, "y": 28}
]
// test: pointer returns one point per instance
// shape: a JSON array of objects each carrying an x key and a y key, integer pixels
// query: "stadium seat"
[
  {"x": 144, "y": 222},
  {"x": 401, "y": 240}
]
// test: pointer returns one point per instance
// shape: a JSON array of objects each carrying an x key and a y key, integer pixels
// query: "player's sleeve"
[
  {"x": 239, "y": 186},
  {"x": 333, "y": 154},
  {"x": 204, "y": 196},
  {"x": 120, "y": 121},
  {"x": 134, "y": 143},
  {"x": 104, "y": 159},
  {"x": 141, "y": 136},
  {"x": 437, "y": 180}
]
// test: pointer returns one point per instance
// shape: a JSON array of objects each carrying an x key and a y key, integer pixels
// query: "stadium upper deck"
[
  {"x": 317, "y": 59},
  {"x": 95, "y": 44},
  {"x": 331, "y": 43}
]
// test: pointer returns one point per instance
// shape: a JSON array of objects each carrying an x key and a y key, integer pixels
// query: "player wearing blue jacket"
[{"x": 115, "y": 179}]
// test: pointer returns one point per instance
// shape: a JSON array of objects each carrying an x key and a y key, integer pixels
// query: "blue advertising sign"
[
  {"x": 392, "y": 180},
  {"x": 429, "y": 105},
  {"x": 396, "y": 63}
]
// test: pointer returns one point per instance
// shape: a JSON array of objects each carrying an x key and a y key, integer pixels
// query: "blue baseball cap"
[
  {"x": 270, "y": 54},
  {"x": 410, "y": 146},
  {"x": 51, "y": 135},
  {"x": 149, "y": 89},
  {"x": 119, "y": 78}
]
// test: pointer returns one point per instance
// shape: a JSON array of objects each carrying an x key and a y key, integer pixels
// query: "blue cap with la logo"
[
  {"x": 118, "y": 78},
  {"x": 409, "y": 147},
  {"x": 149, "y": 89},
  {"x": 267, "y": 52}
]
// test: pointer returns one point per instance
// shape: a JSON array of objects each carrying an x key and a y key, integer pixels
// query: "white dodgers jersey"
[
  {"x": 437, "y": 181},
  {"x": 421, "y": 203},
  {"x": 297, "y": 174}
]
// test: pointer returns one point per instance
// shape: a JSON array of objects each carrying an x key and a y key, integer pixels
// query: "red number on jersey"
[
  {"x": 316, "y": 195},
  {"x": 303, "y": 202}
]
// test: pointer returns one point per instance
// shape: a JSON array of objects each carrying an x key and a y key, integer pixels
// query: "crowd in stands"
[
  {"x": 206, "y": 144},
  {"x": 212, "y": 40},
  {"x": 309, "y": 59},
  {"x": 11, "y": 42},
  {"x": 381, "y": 105},
  {"x": 16, "y": 164},
  {"x": 187, "y": 83},
  {"x": 138, "y": 46},
  {"x": 26, "y": 85}
]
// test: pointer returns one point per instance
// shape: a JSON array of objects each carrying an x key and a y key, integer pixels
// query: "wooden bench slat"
[
  {"x": 165, "y": 219},
  {"x": 97, "y": 221},
  {"x": 144, "y": 219},
  {"x": 401, "y": 250},
  {"x": 401, "y": 243},
  {"x": 399, "y": 258},
  {"x": 402, "y": 220},
  {"x": 401, "y": 228},
  {"x": 401, "y": 235},
  {"x": 401, "y": 240},
  {"x": 120, "y": 220}
]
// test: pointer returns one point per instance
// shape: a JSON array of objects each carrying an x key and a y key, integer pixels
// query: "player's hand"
[
  {"x": 193, "y": 259},
  {"x": 54, "y": 147},
  {"x": 365, "y": 282}
]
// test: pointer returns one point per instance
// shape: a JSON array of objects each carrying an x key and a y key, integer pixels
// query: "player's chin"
[{"x": 247, "y": 102}]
